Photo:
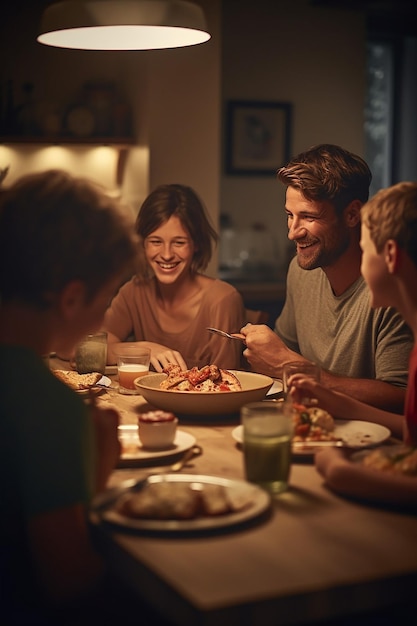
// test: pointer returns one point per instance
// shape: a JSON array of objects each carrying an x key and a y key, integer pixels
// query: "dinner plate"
[
  {"x": 276, "y": 388},
  {"x": 355, "y": 433},
  {"x": 104, "y": 382},
  {"x": 253, "y": 501},
  {"x": 132, "y": 449}
]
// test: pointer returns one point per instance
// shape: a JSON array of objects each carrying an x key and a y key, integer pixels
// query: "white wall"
[
  {"x": 184, "y": 100},
  {"x": 287, "y": 50}
]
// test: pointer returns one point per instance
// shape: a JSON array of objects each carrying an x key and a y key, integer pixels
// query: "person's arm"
[
  {"x": 377, "y": 393},
  {"x": 345, "y": 406},
  {"x": 359, "y": 481},
  {"x": 266, "y": 354}
]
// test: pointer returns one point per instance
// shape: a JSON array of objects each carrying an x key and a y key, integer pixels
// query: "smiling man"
[{"x": 327, "y": 316}]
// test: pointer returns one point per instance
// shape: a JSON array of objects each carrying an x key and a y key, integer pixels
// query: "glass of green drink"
[{"x": 267, "y": 434}]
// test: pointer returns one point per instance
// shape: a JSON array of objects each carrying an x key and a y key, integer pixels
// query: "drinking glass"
[
  {"x": 309, "y": 368},
  {"x": 91, "y": 354},
  {"x": 267, "y": 435},
  {"x": 132, "y": 362}
]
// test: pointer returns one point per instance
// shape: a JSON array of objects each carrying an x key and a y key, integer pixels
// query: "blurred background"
[{"x": 310, "y": 71}]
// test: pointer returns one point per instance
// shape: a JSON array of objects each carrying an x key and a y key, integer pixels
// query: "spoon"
[
  {"x": 193, "y": 452},
  {"x": 223, "y": 333},
  {"x": 190, "y": 454}
]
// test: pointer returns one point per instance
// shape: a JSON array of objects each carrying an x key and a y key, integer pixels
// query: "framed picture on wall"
[{"x": 258, "y": 137}]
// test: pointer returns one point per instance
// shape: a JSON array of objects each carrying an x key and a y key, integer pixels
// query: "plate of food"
[
  {"x": 315, "y": 428},
  {"x": 133, "y": 451},
  {"x": 83, "y": 383},
  {"x": 206, "y": 391},
  {"x": 349, "y": 434},
  {"x": 175, "y": 503}
]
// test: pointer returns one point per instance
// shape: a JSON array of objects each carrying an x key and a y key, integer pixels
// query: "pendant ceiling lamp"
[{"x": 123, "y": 24}]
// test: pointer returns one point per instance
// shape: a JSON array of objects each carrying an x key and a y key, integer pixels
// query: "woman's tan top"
[{"x": 132, "y": 311}]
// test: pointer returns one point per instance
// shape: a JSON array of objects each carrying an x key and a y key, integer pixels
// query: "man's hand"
[{"x": 265, "y": 351}]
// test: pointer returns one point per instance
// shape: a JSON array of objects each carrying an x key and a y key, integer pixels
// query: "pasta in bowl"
[{"x": 254, "y": 387}]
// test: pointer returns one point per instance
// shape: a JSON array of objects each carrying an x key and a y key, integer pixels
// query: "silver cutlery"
[
  {"x": 223, "y": 333},
  {"x": 190, "y": 454},
  {"x": 193, "y": 452}
]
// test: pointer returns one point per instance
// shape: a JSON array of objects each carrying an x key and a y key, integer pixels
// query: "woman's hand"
[
  {"x": 161, "y": 358},
  {"x": 161, "y": 355}
]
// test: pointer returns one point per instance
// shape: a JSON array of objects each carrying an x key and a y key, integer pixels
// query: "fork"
[{"x": 223, "y": 333}]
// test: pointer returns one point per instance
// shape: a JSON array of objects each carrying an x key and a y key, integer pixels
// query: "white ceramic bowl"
[
  {"x": 157, "y": 429},
  {"x": 254, "y": 388}
]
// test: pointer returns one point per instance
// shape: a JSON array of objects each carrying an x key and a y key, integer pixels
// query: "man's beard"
[{"x": 322, "y": 257}]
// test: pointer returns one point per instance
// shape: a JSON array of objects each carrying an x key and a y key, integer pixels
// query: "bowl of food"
[{"x": 206, "y": 391}]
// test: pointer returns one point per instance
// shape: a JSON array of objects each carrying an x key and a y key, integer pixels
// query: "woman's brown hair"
[{"x": 181, "y": 201}]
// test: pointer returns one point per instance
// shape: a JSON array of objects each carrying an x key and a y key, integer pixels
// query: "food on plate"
[
  {"x": 161, "y": 501},
  {"x": 214, "y": 500},
  {"x": 209, "y": 378},
  {"x": 178, "y": 501},
  {"x": 398, "y": 461},
  {"x": 76, "y": 381},
  {"x": 157, "y": 429},
  {"x": 311, "y": 423}
]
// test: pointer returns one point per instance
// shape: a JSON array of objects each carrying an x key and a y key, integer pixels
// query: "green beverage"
[
  {"x": 268, "y": 460},
  {"x": 267, "y": 434}
]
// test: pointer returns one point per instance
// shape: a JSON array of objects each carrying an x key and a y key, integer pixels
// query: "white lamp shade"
[{"x": 123, "y": 24}]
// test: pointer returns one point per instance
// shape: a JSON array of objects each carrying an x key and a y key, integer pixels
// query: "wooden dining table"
[{"x": 314, "y": 556}]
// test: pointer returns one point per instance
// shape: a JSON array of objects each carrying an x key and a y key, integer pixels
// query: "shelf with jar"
[
  {"x": 117, "y": 142},
  {"x": 96, "y": 115}
]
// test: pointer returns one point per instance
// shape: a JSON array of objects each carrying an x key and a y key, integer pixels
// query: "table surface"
[{"x": 315, "y": 557}]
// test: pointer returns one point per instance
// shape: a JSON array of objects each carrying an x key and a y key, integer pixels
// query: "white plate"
[
  {"x": 128, "y": 435},
  {"x": 276, "y": 388},
  {"x": 254, "y": 388},
  {"x": 258, "y": 502},
  {"x": 355, "y": 433}
]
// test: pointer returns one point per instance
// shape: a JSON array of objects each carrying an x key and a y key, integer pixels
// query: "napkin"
[{"x": 350, "y": 478}]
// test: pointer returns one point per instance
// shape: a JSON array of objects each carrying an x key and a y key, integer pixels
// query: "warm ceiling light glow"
[{"x": 123, "y": 24}]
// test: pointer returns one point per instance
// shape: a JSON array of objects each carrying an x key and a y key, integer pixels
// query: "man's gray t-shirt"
[{"x": 343, "y": 333}]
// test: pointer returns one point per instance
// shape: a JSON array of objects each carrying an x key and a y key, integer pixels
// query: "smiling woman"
[{"x": 170, "y": 303}]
